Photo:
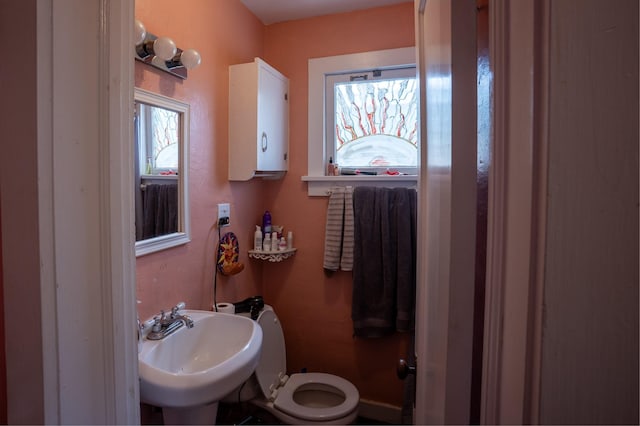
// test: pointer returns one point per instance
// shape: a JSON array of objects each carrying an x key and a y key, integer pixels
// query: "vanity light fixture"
[{"x": 162, "y": 52}]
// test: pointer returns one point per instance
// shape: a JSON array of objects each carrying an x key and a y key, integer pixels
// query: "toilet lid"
[
  {"x": 273, "y": 359},
  {"x": 285, "y": 401}
]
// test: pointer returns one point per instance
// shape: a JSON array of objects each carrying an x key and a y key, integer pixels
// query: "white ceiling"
[{"x": 272, "y": 11}]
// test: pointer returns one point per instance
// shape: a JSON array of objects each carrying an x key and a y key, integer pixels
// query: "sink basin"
[{"x": 196, "y": 367}]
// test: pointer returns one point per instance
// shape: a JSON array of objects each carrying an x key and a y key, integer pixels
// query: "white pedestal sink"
[{"x": 189, "y": 371}]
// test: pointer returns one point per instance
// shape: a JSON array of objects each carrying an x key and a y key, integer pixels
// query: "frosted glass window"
[{"x": 373, "y": 120}]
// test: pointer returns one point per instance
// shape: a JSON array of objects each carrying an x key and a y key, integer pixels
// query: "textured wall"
[
  {"x": 224, "y": 32},
  {"x": 315, "y": 310}
]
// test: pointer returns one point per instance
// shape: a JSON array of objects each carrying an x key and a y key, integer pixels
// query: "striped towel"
[
  {"x": 346, "y": 261},
  {"x": 338, "y": 240},
  {"x": 333, "y": 230}
]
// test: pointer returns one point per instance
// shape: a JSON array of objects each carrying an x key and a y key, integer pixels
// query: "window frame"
[{"x": 319, "y": 69}]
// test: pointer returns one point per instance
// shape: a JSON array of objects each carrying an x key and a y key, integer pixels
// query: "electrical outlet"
[{"x": 224, "y": 214}]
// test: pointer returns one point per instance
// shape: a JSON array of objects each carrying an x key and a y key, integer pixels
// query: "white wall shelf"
[{"x": 272, "y": 256}]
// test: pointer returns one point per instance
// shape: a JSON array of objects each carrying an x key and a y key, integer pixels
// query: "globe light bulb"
[
  {"x": 164, "y": 48},
  {"x": 139, "y": 32},
  {"x": 190, "y": 58}
]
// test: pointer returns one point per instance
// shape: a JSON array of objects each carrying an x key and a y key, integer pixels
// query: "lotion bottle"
[
  {"x": 331, "y": 171},
  {"x": 267, "y": 242},
  {"x": 274, "y": 241},
  {"x": 282, "y": 245},
  {"x": 257, "y": 239}
]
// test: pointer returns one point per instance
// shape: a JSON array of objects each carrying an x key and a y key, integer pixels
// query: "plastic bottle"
[
  {"x": 274, "y": 241},
  {"x": 267, "y": 242},
  {"x": 257, "y": 239},
  {"x": 290, "y": 240},
  {"x": 282, "y": 245},
  {"x": 331, "y": 168},
  {"x": 266, "y": 223}
]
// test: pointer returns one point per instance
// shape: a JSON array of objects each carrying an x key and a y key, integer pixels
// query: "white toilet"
[{"x": 302, "y": 398}]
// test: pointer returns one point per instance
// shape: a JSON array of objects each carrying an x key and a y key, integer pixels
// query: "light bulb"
[
  {"x": 190, "y": 58},
  {"x": 164, "y": 48},
  {"x": 158, "y": 62},
  {"x": 139, "y": 32}
]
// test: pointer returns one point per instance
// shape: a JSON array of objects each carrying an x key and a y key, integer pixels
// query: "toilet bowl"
[{"x": 301, "y": 398}]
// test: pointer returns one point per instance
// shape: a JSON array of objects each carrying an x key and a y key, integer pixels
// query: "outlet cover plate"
[{"x": 224, "y": 211}]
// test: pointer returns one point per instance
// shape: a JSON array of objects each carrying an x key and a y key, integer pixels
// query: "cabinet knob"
[{"x": 264, "y": 141}]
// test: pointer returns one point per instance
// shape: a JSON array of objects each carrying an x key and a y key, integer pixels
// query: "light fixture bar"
[{"x": 163, "y": 54}]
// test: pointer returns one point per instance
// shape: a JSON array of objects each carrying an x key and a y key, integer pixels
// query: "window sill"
[
  {"x": 159, "y": 177},
  {"x": 320, "y": 186}
]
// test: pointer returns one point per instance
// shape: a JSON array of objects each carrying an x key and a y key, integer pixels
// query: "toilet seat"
[
  {"x": 285, "y": 399},
  {"x": 280, "y": 389}
]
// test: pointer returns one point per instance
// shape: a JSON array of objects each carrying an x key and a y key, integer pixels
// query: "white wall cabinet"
[{"x": 258, "y": 121}]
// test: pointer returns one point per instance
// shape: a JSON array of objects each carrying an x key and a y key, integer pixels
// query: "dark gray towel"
[
  {"x": 384, "y": 260},
  {"x": 160, "y": 210},
  {"x": 405, "y": 206}
]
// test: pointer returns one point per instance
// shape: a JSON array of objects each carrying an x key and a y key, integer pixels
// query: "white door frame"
[
  {"x": 447, "y": 55},
  {"x": 85, "y": 105},
  {"x": 513, "y": 307}
]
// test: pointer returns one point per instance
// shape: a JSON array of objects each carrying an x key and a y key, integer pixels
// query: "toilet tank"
[{"x": 251, "y": 388}]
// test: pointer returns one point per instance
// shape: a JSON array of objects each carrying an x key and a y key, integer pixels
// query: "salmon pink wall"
[
  {"x": 315, "y": 309},
  {"x": 224, "y": 32}
]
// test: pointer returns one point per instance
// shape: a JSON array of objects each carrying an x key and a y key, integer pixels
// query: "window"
[
  {"x": 372, "y": 120},
  {"x": 159, "y": 130},
  {"x": 319, "y": 150},
  {"x": 321, "y": 141}
]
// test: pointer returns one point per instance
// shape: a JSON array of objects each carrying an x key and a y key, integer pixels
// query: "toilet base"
[
  {"x": 200, "y": 415},
  {"x": 287, "y": 419}
]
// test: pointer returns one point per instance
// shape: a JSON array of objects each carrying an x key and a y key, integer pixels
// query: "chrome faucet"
[{"x": 164, "y": 325}]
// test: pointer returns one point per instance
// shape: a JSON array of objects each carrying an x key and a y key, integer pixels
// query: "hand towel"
[
  {"x": 346, "y": 260},
  {"x": 160, "y": 210},
  {"x": 384, "y": 260},
  {"x": 373, "y": 301},
  {"x": 403, "y": 213},
  {"x": 333, "y": 230}
]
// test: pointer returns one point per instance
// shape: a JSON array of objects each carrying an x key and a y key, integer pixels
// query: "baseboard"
[{"x": 380, "y": 411}]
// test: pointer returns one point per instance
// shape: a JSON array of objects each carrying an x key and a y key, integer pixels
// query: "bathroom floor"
[
  {"x": 247, "y": 414},
  {"x": 234, "y": 414}
]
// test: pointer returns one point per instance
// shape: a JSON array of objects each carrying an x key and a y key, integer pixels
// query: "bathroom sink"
[{"x": 200, "y": 365}]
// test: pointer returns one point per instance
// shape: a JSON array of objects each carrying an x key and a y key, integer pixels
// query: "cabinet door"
[{"x": 273, "y": 120}]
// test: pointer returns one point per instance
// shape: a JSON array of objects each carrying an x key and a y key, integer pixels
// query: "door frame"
[
  {"x": 518, "y": 35},
  {"x": 87, "y": 286},
  {"x": 446, "y": 59}
]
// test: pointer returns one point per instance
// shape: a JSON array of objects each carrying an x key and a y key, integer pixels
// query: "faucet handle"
[
  {"x": 175, "y": 309},
  {"x": 157, "y": 322}
]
